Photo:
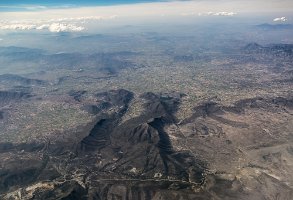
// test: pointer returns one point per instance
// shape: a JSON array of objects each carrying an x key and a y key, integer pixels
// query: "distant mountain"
[
  {"x": 281, "y": 47},
  {"x": 285, "y": 49},
  {"x": 109, "y": 63},
  {"x": 253, "y": 46},
  {"x": 275, "y": 26},
  {"x": 16, "y": 79}
]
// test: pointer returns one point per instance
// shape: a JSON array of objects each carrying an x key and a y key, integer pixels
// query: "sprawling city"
[{"x": 146, "y": 100}]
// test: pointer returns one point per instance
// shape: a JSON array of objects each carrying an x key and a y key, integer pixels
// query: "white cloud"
[
  {"x": 53, "y": 25},
  {"x": 88, "y": 18},
  {"x": 17, "y": 26},
  {"x": 210, "y": 14},
  {"x": 43, "y": 26},
  {"x": 280, "y": 19},
  {"x": 218, "y": 14},
  {"x": 225, "y": 14},
  {"x": 59, "y": 27}
]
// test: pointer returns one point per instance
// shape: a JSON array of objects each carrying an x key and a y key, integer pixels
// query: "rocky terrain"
[
  {"x": 213, "y": 154},
  {"x": 147, "y": 116}
]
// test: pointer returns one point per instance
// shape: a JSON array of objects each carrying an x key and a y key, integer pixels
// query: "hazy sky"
[
  {"x": 198, "y": 5},
  {"x": 68, "y": 15}
]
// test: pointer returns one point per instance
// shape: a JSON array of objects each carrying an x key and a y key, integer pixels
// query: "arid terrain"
[{"x": 159, "y": 117}]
